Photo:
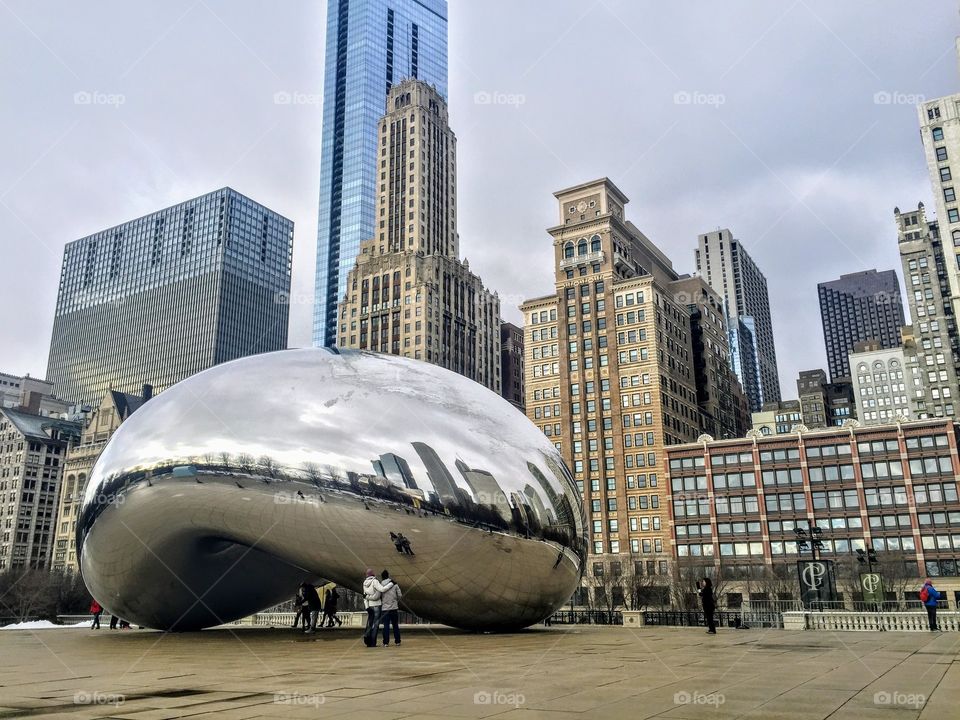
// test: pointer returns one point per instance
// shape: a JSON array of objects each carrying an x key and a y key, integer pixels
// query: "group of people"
[
  {"x": 381, "y": 598},
  {"x": 309, "y": 606},
  {"x": 401, "y": 543},
  {"x": 96, "y": 609}
]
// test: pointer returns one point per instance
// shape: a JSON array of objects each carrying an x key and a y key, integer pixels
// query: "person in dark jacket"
[
  {"x": 330, "y": 608},
  {"x": 96, "y": 611},
  {"x": 302, "y": 612},
  {"x": 312, "y": 599},
  {"x": 930, "y": 603},
  {"x": 708, "y": 604},
  {"x": 390, "y": 609}
]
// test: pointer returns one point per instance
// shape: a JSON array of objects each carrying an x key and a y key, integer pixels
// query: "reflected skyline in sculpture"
[{"x": 358, "y": 446}]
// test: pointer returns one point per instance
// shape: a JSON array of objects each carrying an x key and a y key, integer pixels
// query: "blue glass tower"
[{"x": 371, "y": 45}]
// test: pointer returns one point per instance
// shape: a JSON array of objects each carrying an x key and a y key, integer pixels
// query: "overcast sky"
[{"x": 792, "y": 123}]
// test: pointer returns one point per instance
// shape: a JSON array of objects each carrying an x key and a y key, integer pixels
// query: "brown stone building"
[
  {"x": 409, "y": 293},
  {"x": 609, "y": 370}
]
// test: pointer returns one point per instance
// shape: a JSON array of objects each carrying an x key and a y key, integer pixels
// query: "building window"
[
  {"x": 941, "y": 154},
  {"x": 938, "y": 134},
  {"x": 949, "y": 195}
]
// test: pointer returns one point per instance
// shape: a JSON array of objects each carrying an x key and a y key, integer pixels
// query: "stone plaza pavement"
[{"x": 557, "y": 673}]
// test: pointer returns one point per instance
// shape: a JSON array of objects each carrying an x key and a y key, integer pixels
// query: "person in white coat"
[{"x": 373, "y": 591}]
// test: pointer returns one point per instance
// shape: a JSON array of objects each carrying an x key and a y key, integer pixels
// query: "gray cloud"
[{"x": 761, "y": 117}]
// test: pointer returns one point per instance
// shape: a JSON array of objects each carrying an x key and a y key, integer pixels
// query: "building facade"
[
  {"x": 170, "y": 294},
  {"x": 724, "y": 409},
  {"x": 822, "y": 403},
  {"x": 881, "y": 385},
  {"x": 940, "y": 134},
  {"x": 933, "y": 356},
  {"x": 735, "y": 505},
  {"x": 97, "y": 429},
  {"x": 609, "y": 372},
  {"x": 371, "y": 46},
  {"x": 33, "y": 450},
  {"x": 777, "y": 418},
  {"x": 32, "y": 395},
  {"x": 859, "y": 307},
  {"x": 409, "y": 293},
  {"x": 735, "y": 277},
  {"x": 511, "y": 364}
]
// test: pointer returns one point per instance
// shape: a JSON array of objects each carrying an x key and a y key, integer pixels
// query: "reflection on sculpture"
[{"x": 234, "y": 486}]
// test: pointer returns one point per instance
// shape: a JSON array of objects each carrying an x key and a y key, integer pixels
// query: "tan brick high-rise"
[
  {"x": 409, "y": 293},
  {"x": 609, "y": 374}
]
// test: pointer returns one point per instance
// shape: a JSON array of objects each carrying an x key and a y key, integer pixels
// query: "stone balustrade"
[
  {"x": 285, "y": 619},
  {"x": 833, "y": 620}
]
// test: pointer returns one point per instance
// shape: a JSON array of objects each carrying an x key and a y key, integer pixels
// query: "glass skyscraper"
[
  {"x": 162, "y": 297},
  {"x": 371, "y": 45}
]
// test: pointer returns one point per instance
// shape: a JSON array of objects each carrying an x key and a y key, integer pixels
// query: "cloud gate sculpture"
[{"x": 220, "y": 495}]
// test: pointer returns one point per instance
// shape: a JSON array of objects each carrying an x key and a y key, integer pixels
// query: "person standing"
[
  {"x": 301, "y": 613},
  {"x": 708, "y": 603},
  {"x": 113, "y": 622},
  {"x": 390, "y": 610},
  {"x": 372, "y": 600},
  {"x": 929, "y": 597},
  {"x": 330, "y": 607},
  {"x": 312, "y": 606},
  {"x": 96, "y": 610}
]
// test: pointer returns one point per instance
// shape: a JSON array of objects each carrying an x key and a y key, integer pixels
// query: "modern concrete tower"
[
  {"x": 371, "y": 46},
  {"x": 409, "y": 293},
  {"x": 855, "y": 308},
  {"x": 727, "y": 267},
  {"x": 160, "y": 298}
]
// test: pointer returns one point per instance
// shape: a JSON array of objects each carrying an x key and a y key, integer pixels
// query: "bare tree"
[
  {"x": 641, "y": 589},
  {"x": 38, "y": 594},
  {"x": 245, "y": 462},
  {"x": 311, "y": 472},
  {"x": 268, "y": 466}
]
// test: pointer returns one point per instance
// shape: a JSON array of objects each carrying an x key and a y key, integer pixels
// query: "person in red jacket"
[{"x": 96, "y": 611}]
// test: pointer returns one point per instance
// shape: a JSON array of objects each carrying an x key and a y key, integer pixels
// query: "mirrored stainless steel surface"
[{"x": 220, "y": 495}]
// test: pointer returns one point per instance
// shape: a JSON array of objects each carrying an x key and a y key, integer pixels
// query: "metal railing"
[{"x": 724, "y": 618}]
